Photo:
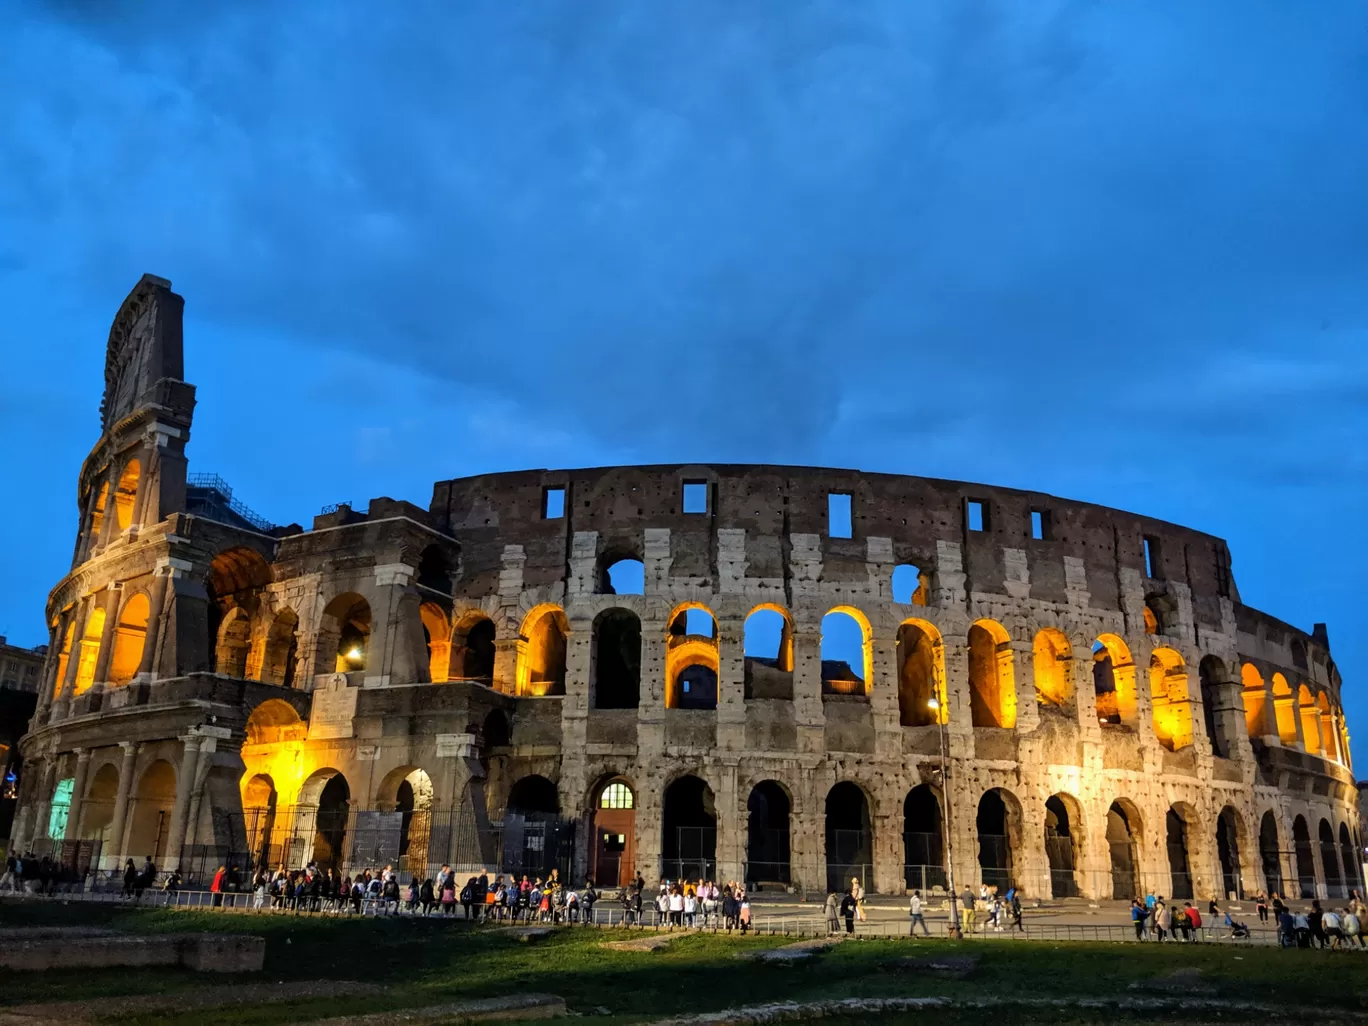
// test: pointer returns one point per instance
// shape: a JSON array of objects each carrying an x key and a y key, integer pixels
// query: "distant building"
[{"x": 20, "y": 668}]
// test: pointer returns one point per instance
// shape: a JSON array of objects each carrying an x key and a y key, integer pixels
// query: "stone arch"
[
  {"x": 1180, "y": 829},
  {"x": 691, "y": 658},
  {"x": 688, "y": 830},
  {"x": 236, "y": 577},
  {"x": 280, "y": 658},
  {"x": 1270, "y": 854},
  {"x": 998, "y": 827},
  {"x": 1326, "y": 723},
  {"x": 769, "y": 809},
  {"x": 130, "y": 636},
  {"x": 472, "y": 647},
  {"x": 1114, "y": 682},
  {"x": 992, "y": 686},
  {"x": 1123, "y": 844},
  {"x": 767, "y": 647},
  {"x": 542, "y": 667},
  {"x": 408, "y": 791},
  {"x": 849, "y": 837},
  {"x": 1231, "y": 840},
  {"x": 495, "y": 731},
  {"x": 1065, "y": 844},
  {"x": 1255, "y": 700},
  {"x": 259, "y": 807},
  {"x": 274, "y": 721},
  {"x": 847, "y": 652},
  {"x": 1170, "y": 701},
  {"x": 1349, "y": 856},
  {"x": 436, "y": 640},
  {"x": 1212, "y": 682},
  {"x": 620, "y": 574},
  {"x": 1052, "y": 661},
  {"x": 90, "y": 650},
  {"x": 149, "y": 829},
  {"x": 1330, "y": 861},
  {"x": 233, "y": 643},
  {"x": 344, "y": 634},
  {"x": 533, "y": 795},
  {"x": 97, "y": 515},
  {"x": 921, "y": 674},
  {"x": 615, "y": 680},
  {"x": 324, "y": 813},
  {"x": 126, "y": 494},
  {"x": 97, "y": 811},
  {"x": 1304, "y": 858},
  {"x": 923, "y": 839},
  {"x": 1310, "y": 721},
  {"x": 64, "y": 657},
  {"x": 908, "y": 585},
  {"x": 1285, "y": 710},
  {"x": 612, "y": 810}
]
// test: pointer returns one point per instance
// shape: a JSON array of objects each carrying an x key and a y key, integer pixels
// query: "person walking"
[
  {"x": 1194, "y": 919},
  {"x": 967, "y": 905},
  {"x": 833, "y": 914},
  {"x": 216, "y": 886},
  {"x": 1016, "y": 910},
  {"x": 914, "y": 910},
  {"x": 848, "y": 909},
  {"x": 857, "y": 892}
]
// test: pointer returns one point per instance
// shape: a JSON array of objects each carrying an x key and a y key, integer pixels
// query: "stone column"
[
  {"x": 508, "y": 656},
  {"x": 111, "y": 607},
  {"x": 731, "y": 824},
  {"x": 885, "y": 821},
  {"x": 78, "y": 786},
  {"x": 883, "y": 698},
  {"x": 145, "y": 457},
  {"x": 68, "y": 683},
  {"x": 731, "y": 685},
  {"x": 46, "y": 783},
  {"x": 118, "y": 823},
  {"x": 651, "y": 707},
  {"x": 808, "y": 713},
  {"x": 180, "y": 811},
  {"x": 1023, "y": 676}
]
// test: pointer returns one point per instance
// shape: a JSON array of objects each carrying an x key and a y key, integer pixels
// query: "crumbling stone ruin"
[{"x": 641, "y": 669}]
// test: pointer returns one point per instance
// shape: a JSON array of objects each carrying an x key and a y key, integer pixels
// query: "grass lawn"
[{"x": 430, "y": 962}]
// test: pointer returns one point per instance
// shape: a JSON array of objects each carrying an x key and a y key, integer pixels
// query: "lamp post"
[{"x": 955, "y": 931}]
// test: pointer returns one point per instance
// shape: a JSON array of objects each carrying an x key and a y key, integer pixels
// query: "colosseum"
[{"x": 786, "y": 675}]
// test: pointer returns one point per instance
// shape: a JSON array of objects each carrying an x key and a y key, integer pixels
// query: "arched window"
[
  {"x": 921, "y": 692},
  {"x": 691, "y": 659},
  {"x": 472, "y": 649},
  {"x": 1051, "y": 660},
  {"x": 1255, "y": 701},
  {"x": 436, "y": 641},
  {"x": 97, "y": 515},
  {"x": 1114, "y": 682},
  {"x": 534, "y": 795},
  {"x": 90, "y": 650},
  {"x": 545, "y": 631},
  {"x": 617, "y": 794},
  {"x": 768, "y": 648},
  {"x": 64, "y": 657},
  {"x": 282, "y": 649},
  {"x": 1169, "y": 697},
  {"x": 1310, "y": 720},
  {"x": 1211, "y": 675},
  {"x": 846, "y": 656},
  {"x": 1285, "y": 710},
  {"x": 622, "y": 577},
  {"x": 348, "y": 624},
  {"x": 126, "y": 495},
  {"x": 233, "y": 644},
  {"x": 992, "y": 698},
  {"x": 909, "y": 585},
  {"x": 129, "y": 638},
  {"x": 616, "y": 676}
]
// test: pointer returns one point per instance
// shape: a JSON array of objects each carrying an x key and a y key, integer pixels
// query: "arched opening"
[
  {"x": 472, "y": 649},
  {"x": 236, "y": 581},
  {"x": 345, "y": 634},
  {"x": 849, "y": 838},
  {"x": 1114, "y": 682},
  {"x": 1151, "y": 621},
  {"x": 1228, "y": 838},
  {"x": 996, "y": 823},
  {"x": 1270, "y": 854},
  {"x": 545, "y": 631},
  {"x": 413, "y": 801},
  {"x": 1305, "y": 858},
  {"x": 923, "y": 839},
  {"x": 90, "y": 651},
  {"x": 150, "y": 829},
  {"x": 1052, "y": 659},
  {"x": 1310, "y": 720},
  {"x": 909, "y": 585},
  {"x": 97, "y": 811},
  {"x": 1063, "y": 841},
  {"x": 1176, "y": 844},
  {"x": 233, "y": 644},
  {"x": 921, "y": 693},
  {"x": 434, "y": 573},
  {"x": 622, "y": 577},
  {"x": 534, "y": 795},
  {"x": 1255, "y": 701},
  {"x": 1211, "y": 676},
  {"x": 1284, "y": 711},
  {"x": 495, "y": 732},
  {"x": 846, "y": 656},
  {"x": 326, "y": 799},
  {"x": 1123, "y": 834},
  {"x": 691, "y": 660},
  {"x": 126, "y": 495},
  {"x": 274, "y": 721},
  {"x": 1330, "y": 862},
  {"x": 689, "y": 842},
  {"x": 767, "y": 644},
  {"x": 614, "y": 847},
  {"x": 97, "y": 515},
  {"x": 64, "y": 657},
  {"x": 992, "y": 687},
  {"x": 1350, "y": 859},
  {"x": 281, "y": 655},
  {"x": 129, "y": 637},
  {"x": 259, "y": 800},
  {"x": 436, "y": 641},
  {"x": 1326, "y": 723},
  {"x": 1169, "y": 698},
  {"x": 617, "y": 660},
  {"x": 767, "y": 834}
]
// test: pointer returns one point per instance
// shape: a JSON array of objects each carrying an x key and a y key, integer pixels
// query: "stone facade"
[
  {"x": 644, "y": 658},
  {"x": 20, "y": 668}
]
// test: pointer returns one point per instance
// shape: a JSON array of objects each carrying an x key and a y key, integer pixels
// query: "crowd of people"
[
  {"x": 1155, "y": 919},
  {"x": 32, "y": 874}
]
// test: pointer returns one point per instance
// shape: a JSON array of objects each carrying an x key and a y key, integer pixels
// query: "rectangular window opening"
[
  {"x": 1151, "y": 557},
  {"x": 1040, "y": 524},
  {"x": 838, "y": 515},
  {"x": 695, "y": 496},
  {"x": 976, "y": 513},
  {"x": 553, "y": 503}
]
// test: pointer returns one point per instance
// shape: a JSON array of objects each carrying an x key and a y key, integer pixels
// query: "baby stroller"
[{"x": 1238, "y": 930}]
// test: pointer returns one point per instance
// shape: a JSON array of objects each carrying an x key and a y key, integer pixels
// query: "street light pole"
[{"x": 955, "y": 931}]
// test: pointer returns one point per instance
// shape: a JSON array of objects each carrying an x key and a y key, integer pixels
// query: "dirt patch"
[
  {"x": 651, "y": 942},
  {"x": 941, "y": 967},
  {"x": 518, "y": 1007},
  {"x": 60, "y": 1013}
]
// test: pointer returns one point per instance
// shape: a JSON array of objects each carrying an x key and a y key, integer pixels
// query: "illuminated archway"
[
  {"x": 1285, "y": 710},
  {"x": 921, "y": 675},
  {"x": 126, "y": 494},
  {"x": 150, "y": 829},
  {"x": 847, "y": 657},
  {"x": 1310, "y": 721},
  {"x": 90, "y": 650},
  {"x": 278, "y": 665},
  {"x": 1114, "y": 682},
  {"x": 1052, "y": 660},
  {"x": 344, "y": 637},
  {"x": 767, "y": 644},
  {"x": 543, "y": 671},
  {"x": 64, "y": 658},
  {"x": 1255, "y": 700},
  {"x": 130, "y": 636},
  {"x": 437, "y": 640},
  {"x": 691, "y": 658},
  {"x": 1172, "y": 706},
  {"x": 992, "y": 698}
]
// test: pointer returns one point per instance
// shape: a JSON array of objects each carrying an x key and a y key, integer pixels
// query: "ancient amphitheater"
[{"x": 732, "y": 671}]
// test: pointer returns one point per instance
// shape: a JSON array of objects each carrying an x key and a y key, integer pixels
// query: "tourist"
[
  {"x": 146, "y": 876},
  {"x": 1016, "y": 910},
  {"x": 1352, "y": 926},
  {"x": 588, "y": 898},
  {"x": 676, "y": 905},
  {"x": 833, "y": 915},
  {"x": 849, "y": 906},
  {"x": 857, "y": 892},
  {"x": 12, "y": 873},
  {"x": 1330, "y": 926},
  {"x": 1261, "y": 906},
  {"x": 1194, "y": 919},
  {"x": 1314, "y": 924},
  {"x": 1163, "y": 920},
  {"x": 1150, "y": 901},
  {"x": 745, "y": 914},
  {"x": 468, "y": 895},
  {"x": 967, "y": 907},
  {"x": 130, "y": 879},
  {"x": 449, "y": 895},
  {"x": 216, "y": 886},
  {"x": 173, "y": 882},
  {"x": 1138, "y": 918},
  {"x": 690, "y": 905},
  {"x": 1287, "y": 927},
  {"x": 914, "y": 910}
]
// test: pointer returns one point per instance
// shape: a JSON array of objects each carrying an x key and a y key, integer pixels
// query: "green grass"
[{"x": 430, "y": 962}]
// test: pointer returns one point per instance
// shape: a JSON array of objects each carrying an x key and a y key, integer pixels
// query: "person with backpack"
[
  {"x": 468, "y": 896},
  {"x": 449, "y": 896},
  {"x": 849, "y": 906}
]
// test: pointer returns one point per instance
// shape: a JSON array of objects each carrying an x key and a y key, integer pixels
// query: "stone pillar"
[
  {"x": 78, "y": 786},
  {"x": 731, "y": 824},
  {"x": 885, "y": 820},
  {"x": 68, "y": 684},
  {"x": 1023, "y": 677},
  {"x": 883, "y": 698},
  {"x": 118, "y": 823},
  {"x": 111, "y": 608},
  {"x": 960, "y": 716},
  {"x": 180, "y": 811},
  {"x": 808, "y": 713},
  {"x": 651, "y": 707},
  {"x": 807, "y": 838},
  {"x": 508, "y": 653},
  {"x": 731, "y": 685},
  {"x": 46, "y": 783},
  {"x": 145, "y": 457},
  {"x": 154, "y": 623}
]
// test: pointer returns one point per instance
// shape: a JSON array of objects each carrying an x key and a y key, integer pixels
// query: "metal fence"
[{"x": 690, "y": 854}]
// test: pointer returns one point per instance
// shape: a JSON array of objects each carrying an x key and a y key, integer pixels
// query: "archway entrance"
[
  {"x": 150, "y": 830},
  {"x": 1122, "y": 830},
  {"x": 331, "y": 800},
  {"x": 613, "y": 851},
  {"x": 1330, "y": 863},
  {"x": 1228, "y": 851},
  {"x": 849, "y": 839},
  {"x": 1351, "y": 865},
  {"x": 1306, "y": 861},
  {"x": 1269, "y": 856},
  {"x": 767, "y": 834},
  {"x": 1059, "y": 848},
  {"x": 535, "y": 838},
  {"x": 1176, "y": 843},
  {"x": 995, "y": 843},
  {"x": 413, "y": 802},
  {"x": 688, "y": 848},
  {"x": 923, "y": 839},
  {"x": 259, "y": 800}
]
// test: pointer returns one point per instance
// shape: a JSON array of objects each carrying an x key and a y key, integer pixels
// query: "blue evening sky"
[{"x": 1114, "y": 250}]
